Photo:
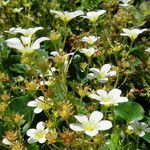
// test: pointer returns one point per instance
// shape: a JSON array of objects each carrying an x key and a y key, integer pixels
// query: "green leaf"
[
  {"x": 20, "y": 68},
  {"x": 147, "y": 137},
  {"x": 19, "y": 105},
  {"x": 32, "y": 147},
  {"x": 130, "y": 111}
]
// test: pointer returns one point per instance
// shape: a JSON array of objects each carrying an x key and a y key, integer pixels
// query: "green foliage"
[{"x": 130, "y": 111}]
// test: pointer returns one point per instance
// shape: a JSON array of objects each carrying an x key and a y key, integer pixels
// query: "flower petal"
[
  {"x": 31, "y": 132},
  {"x": 104, "y": 125},
  {"x": 37, "y": 110},
  {"x": 102, "y": 93},
  {"x": 102, "y": 80},
  {"x": 91, "y": 133},
  {"x": 31, "y": 140},
  {"x": 96, "y": 116},
  {"x": 90, "y": 76},
  {"x": 95, "y": 70},
  {"x": 32, "y": 104},
  {"x": 141, "y": 134},
  {"x": 6, "y": 142},
  {"x": 81, "y": 118},
  {"x": 43, "y": 140},
  {"x": 40, "y": 126},
  {"x": 76, "y": 127},
  {"x": 111, "y": 73},
  {"x": 122, "y": 99},
  {"x": 115, "y": 92},
  {"x": 15, "y": 43},
  {"x": 105, "y": 68},
  {"x": 94, "y": 96},
  {"x": 36, "y": 44}
]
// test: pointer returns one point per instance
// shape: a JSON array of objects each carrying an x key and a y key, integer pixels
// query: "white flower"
[
  {"x": 38, "y": 134},
  {"x": 6, "y": 142},
  {"x": 132, "y": 33},
  {"x": 13, "y": 30},
  {"x": 102, "y": 74},
  {"x": 90, "y": 39},
  {"x": 26, "y": 32},
  {"x": 148, "y": 50},
  {"x": 139, "y": 128},
  {"x": 24, "y": 45},
  {"x": 67, "y": 16},
  {"x": 17, "y": 10},
  {"x": 111, "y": 98},
  {"x": 40, "y": 104},
  {"x": 88, "y": 51},
  {"x": 125, "y": 3},
  {"x": 93, "y": 15},
  {"x": 92, "y": 125}
]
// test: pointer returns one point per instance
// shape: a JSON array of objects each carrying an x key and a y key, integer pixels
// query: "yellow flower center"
[
  {"x": 90, "y": 126},
  {"x": 40, "y": 135},
  {"x": 44, "y": 105}
]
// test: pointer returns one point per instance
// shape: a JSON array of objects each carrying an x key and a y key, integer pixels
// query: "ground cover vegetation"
[{"x": 74, "y": 75}]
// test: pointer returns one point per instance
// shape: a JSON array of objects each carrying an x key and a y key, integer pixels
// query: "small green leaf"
[
  {"x": 33, "y": 147},
  {"x": 20, "y": 68},
  {"x": 147, "y": 137},
  {"x": 130, "y": 111},
  {"x": 19, "y": 105}
]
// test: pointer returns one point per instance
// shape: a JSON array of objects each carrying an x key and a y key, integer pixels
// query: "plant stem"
[{"x": 137, "y": 144}]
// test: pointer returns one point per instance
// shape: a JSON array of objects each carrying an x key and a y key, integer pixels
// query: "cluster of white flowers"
[
  {"x": 24, "y": 44},
  {"x": 67, "y": 16},
  {"x": 93, "y": 124}
]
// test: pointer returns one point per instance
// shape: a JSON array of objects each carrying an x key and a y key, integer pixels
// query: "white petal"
[
  {"x": 41, "y": 98},
  {"x": 102, "y": 93},
  {"x": 36, "y": 44},
  {"x": 94, "y": 96},
  {"x": 90, "y": 76},
  {"x": 6, "y": 142},
  {"x": 15, "y": 43},
  {"x": 31, "y": 132},
  {"x": 31, "y": 140},
  {"x": 96, "y": 116},
  {"x": 122, "y": 99},
  {"x": 32, "y": 104},
  {"x": 115, "y": 92},
  {"x": 105, "y": 68},
  {"x": 81, "y": 118},
  {"x": 111, "y": 73},
  {"x": 95, "y": 70},
  {"x": 26, "y": 40},
  {"x": 104, "y": 125},
  {"x": 38, "y": 110},
  {"x": 130, "y": 127},
  {"x": 91, "y": 133},
  {"x": 141, "y": 134},
  {"x": 102, "y": 80},
  {"x": 76, "y": 127},
  {"x": 43, "y": 140},
  {"x": 40, "y": 126}
]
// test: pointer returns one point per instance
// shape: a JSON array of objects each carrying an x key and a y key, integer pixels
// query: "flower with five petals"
[
  {"x": 111, "y": 98},
  {"x": 38, "y": 134},
  {"x": 92, "y": 125},
  {"x": 101, "y": 74}
]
